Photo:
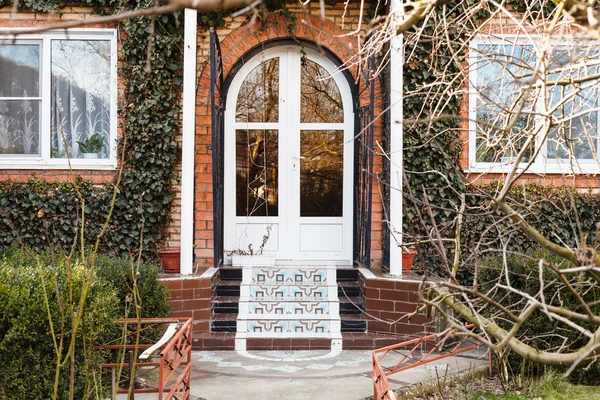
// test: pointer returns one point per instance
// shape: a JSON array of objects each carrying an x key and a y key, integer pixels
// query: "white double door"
[{"x": 289, "y": 158}]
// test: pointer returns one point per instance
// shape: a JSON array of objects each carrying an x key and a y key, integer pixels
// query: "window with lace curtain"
[{"x": 58, "y": 100}]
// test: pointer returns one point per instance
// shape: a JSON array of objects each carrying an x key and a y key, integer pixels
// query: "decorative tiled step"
[
  {"x": 277, "y": 309},
  {"x": 288, "y": 303},
  {"x": 285, "y": 292}
]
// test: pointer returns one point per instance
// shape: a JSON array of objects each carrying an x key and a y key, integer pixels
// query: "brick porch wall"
[
  {"x": 191, "y": 297},
  {"x": 388, "y": 301}
]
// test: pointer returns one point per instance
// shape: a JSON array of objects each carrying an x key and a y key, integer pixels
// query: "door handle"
[{"x": 295, "y": 162}]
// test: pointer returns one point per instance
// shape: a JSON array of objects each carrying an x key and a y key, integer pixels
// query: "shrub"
[
  {"x": 26, "y": 345},
  {"x": 539, "y": 331},
  {"x": 119, "y": 273},
  {"x": 43, "y": 214},
  {"x": 548, "y": 209}
]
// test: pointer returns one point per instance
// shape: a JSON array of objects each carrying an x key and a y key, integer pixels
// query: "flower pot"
[
  {"x": 170, "y": 260},
  {"x": 90, "y": 156},
  {"x": 262, "y": 260},
  {"x": 407, "y": 259}
]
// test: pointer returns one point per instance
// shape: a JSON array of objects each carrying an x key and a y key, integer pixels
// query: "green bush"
[
  {"x": 119, "y": 273},
  {"x": 26, "y": 345},
  {"x": 548, "y": 209},
  {"x": 539, "y": 331}
]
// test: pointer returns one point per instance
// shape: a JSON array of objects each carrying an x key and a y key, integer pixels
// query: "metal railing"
[
  {"x": 416, "y": 352},
  {"x": 173, "y": 362}
]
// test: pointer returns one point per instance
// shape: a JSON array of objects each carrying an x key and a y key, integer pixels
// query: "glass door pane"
[
  {"x": 257, "y": 172},
  {"x": 321, "y": 174}
]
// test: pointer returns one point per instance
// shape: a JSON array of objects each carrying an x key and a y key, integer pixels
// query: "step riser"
[
  {"x": 281, "y": 308},
  {"x": 293, "y": 328},
  {"x": 287, "y": 293}
]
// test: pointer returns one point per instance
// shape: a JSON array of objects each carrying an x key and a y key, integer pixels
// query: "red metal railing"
[
  {"x": 424, "y": 350},
  {"x": 173, "y": 362}
]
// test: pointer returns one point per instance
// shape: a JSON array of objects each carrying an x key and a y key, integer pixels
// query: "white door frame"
[{"x": 285, "y": 236}]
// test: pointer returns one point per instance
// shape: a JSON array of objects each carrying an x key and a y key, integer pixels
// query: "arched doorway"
[{"x": 289, "y": 158}]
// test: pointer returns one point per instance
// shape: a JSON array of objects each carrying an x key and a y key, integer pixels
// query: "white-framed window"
[
  {"x": 58, "y": 100},
  {"x": 523, "y": 87}
]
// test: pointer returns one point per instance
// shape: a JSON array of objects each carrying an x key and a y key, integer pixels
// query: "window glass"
[
  {"x": 80, "y": 103},
  {"x": 258, "y": 100},
  {"x": 19, "y": 108},
  {"x": 502, "y": 71},
  {"x": 20, "y": 70},
  {"x": 322, "y": 173},
  {"x": 257, "y": 172},
  {"x": 575, "y": 134},
  {"x": 321, "y": 100}
]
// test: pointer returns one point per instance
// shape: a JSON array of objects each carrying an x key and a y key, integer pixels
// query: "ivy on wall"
[
  {"x": 431, "y": 149},
  {"x": 40, "y": 214}
]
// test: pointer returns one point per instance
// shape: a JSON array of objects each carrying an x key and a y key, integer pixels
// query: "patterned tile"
[{"x": 294, "y": 302}]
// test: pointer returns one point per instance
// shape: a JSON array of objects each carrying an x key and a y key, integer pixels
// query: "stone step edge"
[
  {"x": 283, "y": 284},
  {"x": 288, "y": 335},
  {"x": 287, "y": 317},
  {"x": 286, "y": 300},
  {"x": 244, "y": 299}
]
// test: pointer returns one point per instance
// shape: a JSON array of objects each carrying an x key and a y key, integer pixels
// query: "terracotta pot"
[
  {"x": 170, "y": 260},
  {"x": 407, "y": 259}
]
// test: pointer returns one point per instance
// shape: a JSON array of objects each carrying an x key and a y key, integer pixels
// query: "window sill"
[
  {"x": 559, "y": 169},
  {"x": 105, "y": 165}
]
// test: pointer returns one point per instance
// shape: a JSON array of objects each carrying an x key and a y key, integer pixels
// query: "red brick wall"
[
  {"x": 238, "y": 38},
  {"x": 389, "y": 301},
  {"x": 191, "y": 298}
]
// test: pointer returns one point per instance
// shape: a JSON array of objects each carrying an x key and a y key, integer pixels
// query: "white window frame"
[
  {"x": 44, "y": 160},
  {"x": 541, "y": 165}
]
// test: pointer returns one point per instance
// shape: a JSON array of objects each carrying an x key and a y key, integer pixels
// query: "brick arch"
[{"x": 324, "y": 33}]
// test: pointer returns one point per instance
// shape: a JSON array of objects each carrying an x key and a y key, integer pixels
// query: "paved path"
[{"x": 302, "y": 375}]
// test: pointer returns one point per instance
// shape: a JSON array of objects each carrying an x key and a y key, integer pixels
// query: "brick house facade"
[{"x": 355, "y": 307}]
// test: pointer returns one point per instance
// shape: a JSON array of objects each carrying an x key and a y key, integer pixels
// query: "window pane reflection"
[
  {"x": 577, "y": 136},
  {"x": 321, "y": 100},
  {"x": 321, "y": 175},
  {"x": 257, "y": 162},
  {"x": 80, "y": 98},
  {"x": 19, "y": 118},
  {"x": 258, "y": 100},
  {"x": 501, "y": 70},
  {"x": 20, "y": 70}
]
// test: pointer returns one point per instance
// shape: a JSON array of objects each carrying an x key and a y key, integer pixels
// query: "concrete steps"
[{"x": 299, "y": 307}]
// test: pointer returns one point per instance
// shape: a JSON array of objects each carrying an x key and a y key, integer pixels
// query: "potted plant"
[
  {"x": 170, "y": 259},
  {"x": 251, "y": 257},
  {"x": 408, "y": 256},
  {"x": 92, "y": 146}
]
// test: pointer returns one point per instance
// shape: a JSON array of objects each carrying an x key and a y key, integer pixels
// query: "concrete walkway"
[{"x": 304, "y": 375}]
